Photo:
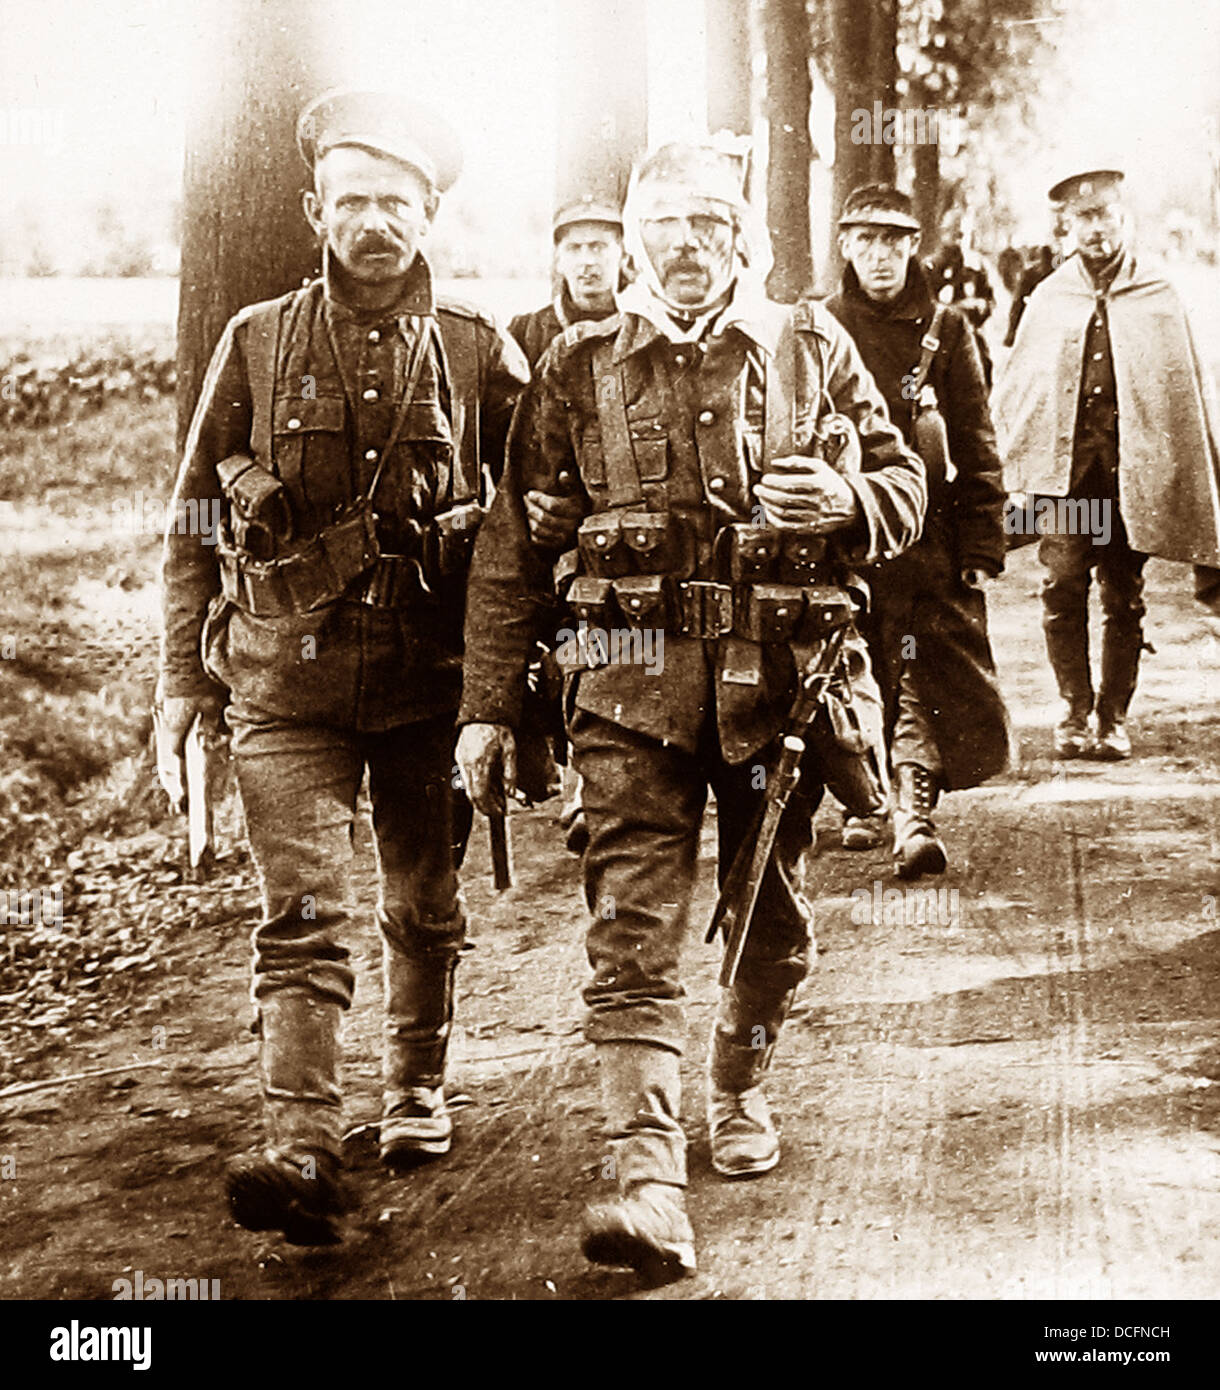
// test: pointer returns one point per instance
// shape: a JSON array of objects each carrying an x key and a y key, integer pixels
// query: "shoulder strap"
[
  {"x": 928, "y": 344},
  {"x": 262, "y": 360},
  {"x": 622, "y": 474},
  {"x": 461, "y": 361}
]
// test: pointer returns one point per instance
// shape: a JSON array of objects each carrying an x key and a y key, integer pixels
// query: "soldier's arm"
[
  {"x": 190, "y": 576},
  {"x": 509, "y": 590},
  {"x": 504, "y": 375},
  {"x": 979, "y": 490},
  {"x": 892, "y": 488}
]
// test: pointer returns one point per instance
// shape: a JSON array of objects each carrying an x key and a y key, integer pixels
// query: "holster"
[{"x": 259, "y": 516}]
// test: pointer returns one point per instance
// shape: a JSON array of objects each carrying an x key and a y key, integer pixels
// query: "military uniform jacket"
[
  {"x": 965, "y": 514},
  {"x": 535, "y": 332},
  {"x": 694, "y": 418},
  {"x": 339, "y": 379}
]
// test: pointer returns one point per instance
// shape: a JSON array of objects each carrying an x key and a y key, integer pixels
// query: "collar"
[
  {"x": 568, "y": 312},
  {"x": 913, "y": 301},
  {"x": 416, "y": 296},
  {"x": 646, "y": 318}
]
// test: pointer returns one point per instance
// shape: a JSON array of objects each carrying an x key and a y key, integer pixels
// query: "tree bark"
[
  {"x": 244, "y": 236},
  {"x": 603, "y": 96},
  {"x": 787, "y": 36},
  {"x": 729, "y": 66},
  {"x": 864, "y": 39}
]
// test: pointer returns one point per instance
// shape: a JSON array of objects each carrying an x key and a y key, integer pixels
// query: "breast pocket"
[
  {"x": 308, "y": 447},
  {"x": 650, "y": 444}
]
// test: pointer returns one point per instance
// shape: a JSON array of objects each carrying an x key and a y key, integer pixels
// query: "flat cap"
[
  {"x": 386, "y": 123},
  {"x": 589, "y": 207},
  {"x": 1085, "y": 183},
  {"x": 879, "y": 205}
]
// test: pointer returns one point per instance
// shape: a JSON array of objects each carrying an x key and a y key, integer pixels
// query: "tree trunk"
[
  {"x": 787, "y": 36},
  {"x": 729, "y": 66},
  {"x": 603, "y": 96},
  {"x": 244, "y": 235},
  {"x": 926, "y": 190},
  {"x": 864, "y": 39}
]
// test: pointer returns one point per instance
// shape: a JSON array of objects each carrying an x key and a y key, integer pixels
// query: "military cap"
[
  {"x": 1089, "y": 182},
  {"x": 386, "y": 123},
  {"x": 879, "y": 205},
  {"x": 712, "y": 172},
  {"x": 589, "y": 207}
]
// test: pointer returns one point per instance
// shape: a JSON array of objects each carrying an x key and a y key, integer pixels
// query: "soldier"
[
  {"x": 1107, "y": 422},
  {"x": 692, "y": 411},
  {"x": 957, "y": 275},
  {"x": 946, "y": 723},
  {"x": 588, "y": 268},
  {"x": 1044, "y": 260},
  {"x": 349, "y": 427}
]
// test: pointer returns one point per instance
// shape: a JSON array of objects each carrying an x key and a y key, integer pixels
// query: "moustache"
[
  {"x": 373, "y": 245},
  {"x": 680, "y": 267}
]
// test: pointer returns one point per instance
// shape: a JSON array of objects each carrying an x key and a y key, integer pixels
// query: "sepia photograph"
[{"x": 609, "y": 666}]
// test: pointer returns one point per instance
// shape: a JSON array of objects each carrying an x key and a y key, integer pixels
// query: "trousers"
[
  {"x": 299, "y": 785},
  {"x": 644, "y": 802}
]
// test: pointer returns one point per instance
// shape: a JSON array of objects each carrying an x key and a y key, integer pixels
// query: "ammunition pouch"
[
  {"x": 644, "y": 600},
  {"x": 306, "y": 577},
  {"x": 603, "y": 553},
  {"x": 449, "y": 541},
  {"x": 259, "y": 516}
]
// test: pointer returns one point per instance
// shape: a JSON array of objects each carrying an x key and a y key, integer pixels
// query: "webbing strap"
[
  {"x": 779, "y": 387},
  {"x": 928, "y": 345},
  {"x": 262, "y": 359},
  {"x": 622, "y": 473}
]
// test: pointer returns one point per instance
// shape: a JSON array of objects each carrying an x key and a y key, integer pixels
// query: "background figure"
[
  {"x": 957, "y": 276},
  {"x": 1104, "y": 405},
  {"x": 946, "y": 722},
  {"x": 588, "y": 269},
  {"x": 1042, "y": 261}
]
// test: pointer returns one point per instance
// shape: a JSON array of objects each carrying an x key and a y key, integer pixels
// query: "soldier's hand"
[
  {"x": 178, "y": 714},
  {"x": 487, "y": 759},
  {"x": 805, "y": 494},
  {"x": 552, "y": 519}
]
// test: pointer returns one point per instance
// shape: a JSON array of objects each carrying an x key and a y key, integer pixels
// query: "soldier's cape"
[{"x": 1168, "y": 423}]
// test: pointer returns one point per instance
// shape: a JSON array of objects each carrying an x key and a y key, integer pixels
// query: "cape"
[{"x": 1168, "y": 461}]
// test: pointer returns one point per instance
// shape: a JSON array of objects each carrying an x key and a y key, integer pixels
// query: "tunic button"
[
  {"x": 371, "y": 394},
  {"x": 1097, "y": 390},
  {"x": 716, "y": 484},
  {"x": 374, "y": 336},
  {"x": 294, "y": 423},
  {"x": 706, "y": 417},
  {"x": 370, "y": 454},
  {"x": 1097, "y": 357}
]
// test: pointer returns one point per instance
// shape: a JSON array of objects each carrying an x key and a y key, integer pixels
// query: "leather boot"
[
  {"x": 1068, "y": 649},
  {"x": 295, "y": 1184},
  {"x": 1120, "y": 662},
  {"x": 645, "y": 1227},
  {"x": 743, "y": 1136},
  {"x": 917, "y": 847},
  {"x": 416, "y": 1125}
]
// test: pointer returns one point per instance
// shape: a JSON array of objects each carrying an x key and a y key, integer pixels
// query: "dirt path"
[{"x": 1021, "y": 1100}]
